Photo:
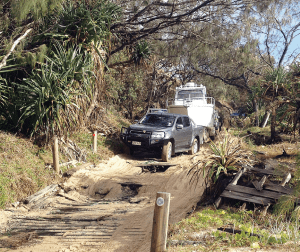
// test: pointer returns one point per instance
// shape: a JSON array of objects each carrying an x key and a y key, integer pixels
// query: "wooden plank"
[
  {"x": 233, "y": 182},
  {"x": 35, "y": 197},
  {"x": 278, "y": 188},
  {"x": 41, "y": 203},
  {"x": 263, "y": 171},
  {"x": 259, "y": 185},
  {"x": 253, "y": 191},
  {"x": 247, "y": 197},
  {"x": 256, "y": 185},
  {"x": 266, "y": 171}
]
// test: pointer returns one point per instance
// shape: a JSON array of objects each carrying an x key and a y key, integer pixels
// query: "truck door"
[
  {"x": 179, "y": 134},
  {"x": 188, "y": 132}
]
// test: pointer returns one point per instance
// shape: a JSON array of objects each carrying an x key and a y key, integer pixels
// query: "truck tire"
[
  {"x": 195, "y": 147},
  {"x": 128, "y": 150},
  {"x": 166, "y": 152},
  {"x": 131, "y": 151},
  {"x": 205, "y": 135}
]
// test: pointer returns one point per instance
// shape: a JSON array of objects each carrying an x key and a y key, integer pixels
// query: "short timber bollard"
[
  {"x": 160, "y": 222},
  {"x": 55, "y": 154},
  {"x": 95, "y": 141}
]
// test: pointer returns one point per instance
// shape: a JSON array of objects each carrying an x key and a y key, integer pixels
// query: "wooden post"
[
  {"x": 265, "y": 209},
  {"x": 160, "y": 222},
  {"x": 55, "y": 154},
  {"x": 95, "y": 141}
]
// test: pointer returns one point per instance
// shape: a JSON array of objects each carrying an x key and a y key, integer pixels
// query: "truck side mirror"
[{"x": 179, "y": 126}]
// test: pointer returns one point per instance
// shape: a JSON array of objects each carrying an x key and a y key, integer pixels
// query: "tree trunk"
[
  {"x": 255, "y": 107},
  {"x": 131, "y": 110},
  {"x": 297, "y": 120},
  {"x": 297, "y": 116},
  {"x": 265, "y": 119},
  {"x": 273, "y": 123},
  {"x": 150, "y": 94},
  {"x": 92, "y": 106}
]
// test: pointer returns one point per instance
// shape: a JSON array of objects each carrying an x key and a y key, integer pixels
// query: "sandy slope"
[{"x": 117, "y": 201}]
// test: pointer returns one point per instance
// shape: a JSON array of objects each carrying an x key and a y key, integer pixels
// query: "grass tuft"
[{"x": 251, "y": 230}]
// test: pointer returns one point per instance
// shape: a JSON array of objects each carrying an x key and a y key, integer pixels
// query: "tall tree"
[{"x": 277, "y": 28}]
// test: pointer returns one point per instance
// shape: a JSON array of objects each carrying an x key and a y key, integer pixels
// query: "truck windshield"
[
  {"x": 159, "y": 120},
  {"x": 189, "y": 94}
]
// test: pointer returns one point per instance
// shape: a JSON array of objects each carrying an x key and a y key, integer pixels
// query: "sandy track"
[{"x": 106, "y": 208}]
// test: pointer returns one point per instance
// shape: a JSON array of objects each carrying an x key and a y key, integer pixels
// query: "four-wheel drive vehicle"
[{"x": 169, "y": 133}]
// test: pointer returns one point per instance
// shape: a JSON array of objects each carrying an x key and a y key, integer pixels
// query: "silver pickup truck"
[{"x": 168, "y": 133}]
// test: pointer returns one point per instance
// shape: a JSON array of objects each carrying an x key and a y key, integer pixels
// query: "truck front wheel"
[
  {"x": 128, "y": 150},
  {"x": 205, "y": 135},
  {"x": 166, "y": 152},
  {"x": 195, "y": 147}
]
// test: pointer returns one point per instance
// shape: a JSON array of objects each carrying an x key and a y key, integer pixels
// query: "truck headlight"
[{"x": 157, "y": 135}]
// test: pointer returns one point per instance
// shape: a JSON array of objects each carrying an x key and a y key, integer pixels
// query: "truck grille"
[{"x": 140, "y": 133}]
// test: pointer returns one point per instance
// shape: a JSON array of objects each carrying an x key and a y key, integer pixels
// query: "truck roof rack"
[{"x": 156, "y": 110}]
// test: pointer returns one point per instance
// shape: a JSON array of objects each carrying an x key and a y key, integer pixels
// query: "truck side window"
[
  {"x": 186, "y": 122},
  {"x": 179, "y": 120}
]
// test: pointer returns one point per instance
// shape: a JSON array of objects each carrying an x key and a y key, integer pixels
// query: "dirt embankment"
[{"x": 104, "y": 208}]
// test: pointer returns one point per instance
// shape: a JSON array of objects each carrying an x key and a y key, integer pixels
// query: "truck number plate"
[{"x": 136, "y": 143}]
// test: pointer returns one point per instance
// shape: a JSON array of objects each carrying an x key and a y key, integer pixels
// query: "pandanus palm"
[
  {"x": 225, "y": 155},
  {"x": 49, "y": 94}
]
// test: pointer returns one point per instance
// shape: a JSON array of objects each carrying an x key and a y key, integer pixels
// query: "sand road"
[{"x": 108, "y": 207}]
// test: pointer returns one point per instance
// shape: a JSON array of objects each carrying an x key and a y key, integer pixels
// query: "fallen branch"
[{"x": 3, "y": 62}]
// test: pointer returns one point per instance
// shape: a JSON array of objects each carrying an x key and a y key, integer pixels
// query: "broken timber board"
[
  {"x": 49, "y": 190},
  {"x": 233, "y": 182},
  {"x": 262, "y": 171},
  {"x": 253, "y": 191},
  {"x": 278, "y": 188},
  {"x": 238, "y": 175},
  {"x": 259, "y": 184},
  {"x": 258, "y": 195},
  {"x": 265, "y": 171},
  {"x": 247, "y": 197}
]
